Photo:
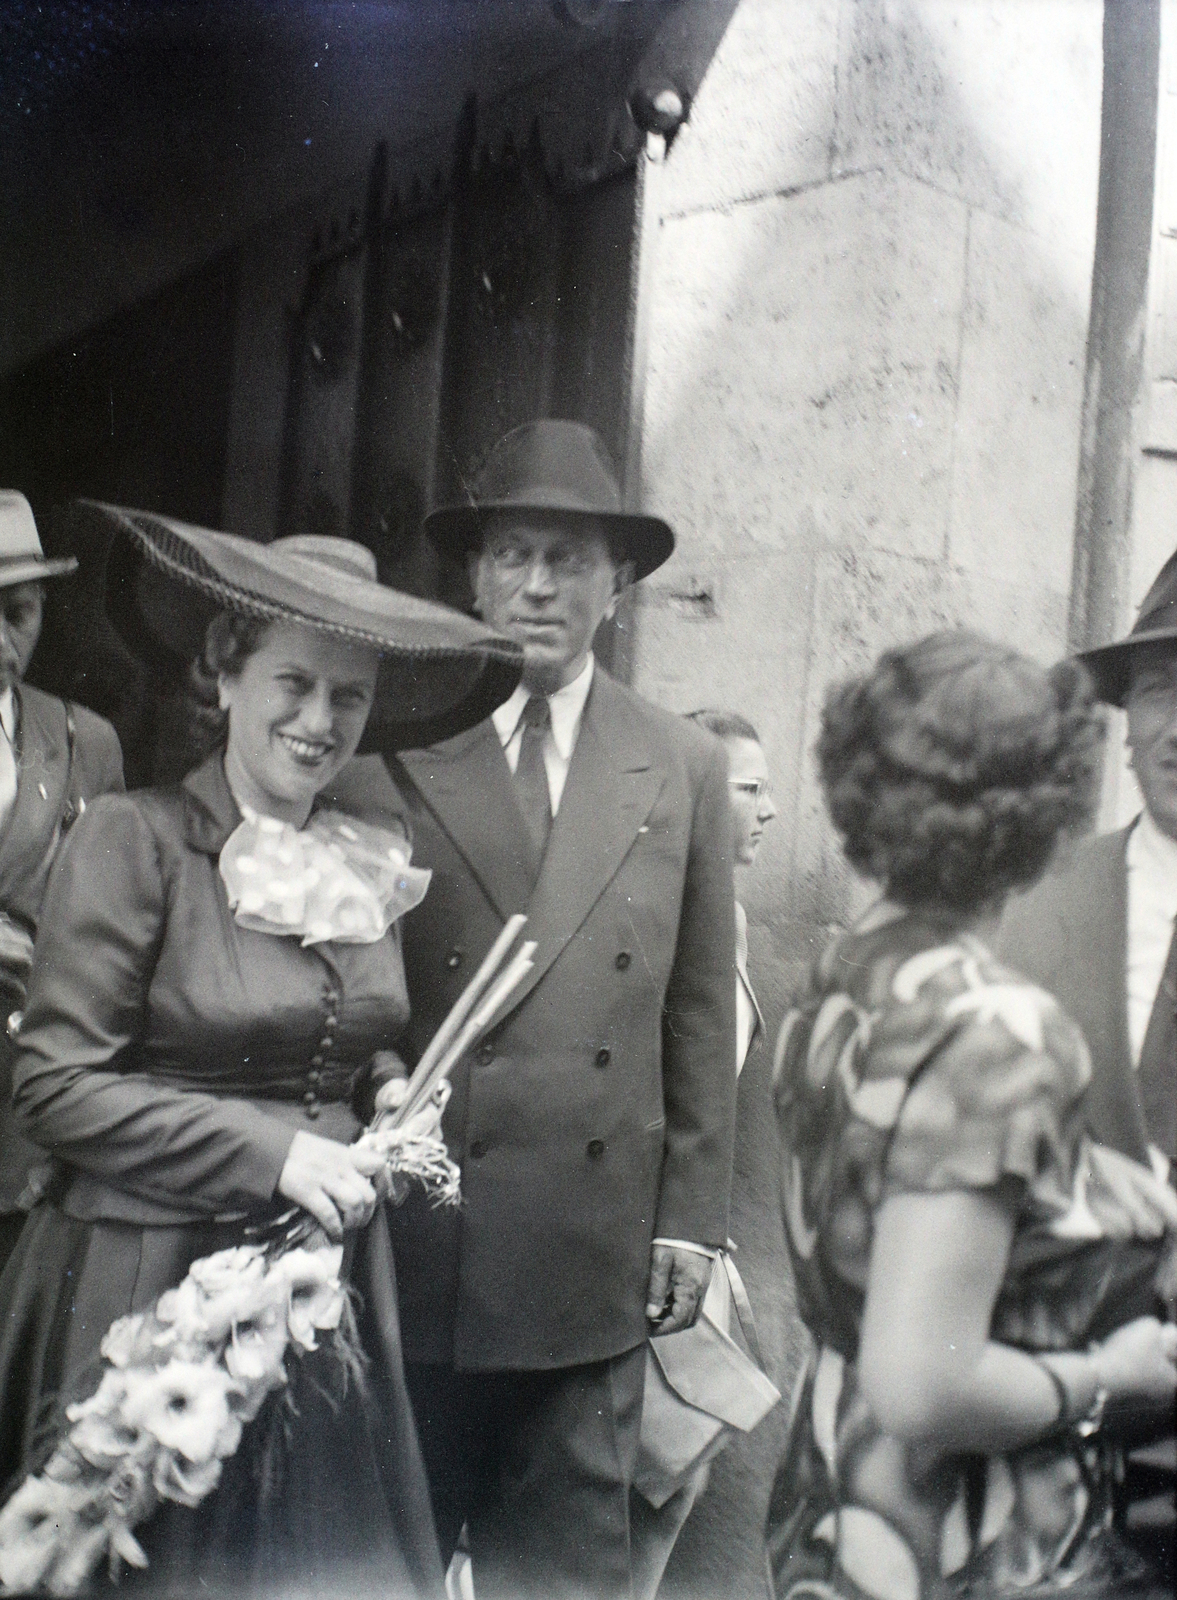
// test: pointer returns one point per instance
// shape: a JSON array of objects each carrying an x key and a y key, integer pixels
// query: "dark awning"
[{"x": 142, "y": 137}]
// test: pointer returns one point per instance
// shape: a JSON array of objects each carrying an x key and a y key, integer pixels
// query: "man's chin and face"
[
  {"x": 547, "y": 584},
  {"x": 1152, "y": 730}
]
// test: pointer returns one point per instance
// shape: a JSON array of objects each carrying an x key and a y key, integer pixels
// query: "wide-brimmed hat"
[
  {"x": 1156, "y": 623},
  {"x": 552, "y": 466},
  {"x": 21, "y": 558},
  {"x": 440, "y": 672}
]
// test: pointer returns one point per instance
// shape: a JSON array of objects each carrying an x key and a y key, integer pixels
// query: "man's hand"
[{"x": 678, "y": 1282}]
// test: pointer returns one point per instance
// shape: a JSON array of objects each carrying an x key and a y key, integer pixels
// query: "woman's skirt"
[{"x": 326, "y": 1494}]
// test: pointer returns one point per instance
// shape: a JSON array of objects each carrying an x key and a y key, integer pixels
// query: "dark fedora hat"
[
  {"x": 1156, "y": 623},
  {"x": 552, "y": 466},
  {"x": 164, "y": 581}
]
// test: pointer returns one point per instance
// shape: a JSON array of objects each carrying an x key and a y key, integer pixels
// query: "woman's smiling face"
[{"x": 296, "y": 711}]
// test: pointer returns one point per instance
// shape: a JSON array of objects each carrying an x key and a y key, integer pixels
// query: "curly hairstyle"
[
  {"x": 230, "y": 640},
  {"x": 952, "y": 767}
]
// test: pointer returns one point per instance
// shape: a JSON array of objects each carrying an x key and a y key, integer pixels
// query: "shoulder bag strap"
[{"x": 743, "y": 1308}]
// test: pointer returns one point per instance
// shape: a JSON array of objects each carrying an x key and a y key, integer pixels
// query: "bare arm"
[{"x": 926, "y": 1363}]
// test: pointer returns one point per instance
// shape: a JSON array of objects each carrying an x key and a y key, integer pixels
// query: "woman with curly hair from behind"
[{"x": 979, "y": 1279}]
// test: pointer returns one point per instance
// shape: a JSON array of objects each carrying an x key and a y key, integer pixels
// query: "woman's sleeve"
[
  {"x": 79, "y": 1096},
  {"x": 998, "y": 1097}
]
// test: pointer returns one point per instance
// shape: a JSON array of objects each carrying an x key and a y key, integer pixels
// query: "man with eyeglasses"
[{"x": 594, "y": 1125}]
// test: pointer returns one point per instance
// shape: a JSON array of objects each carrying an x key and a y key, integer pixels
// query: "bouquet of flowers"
[{"x": 180, "y": 1382}]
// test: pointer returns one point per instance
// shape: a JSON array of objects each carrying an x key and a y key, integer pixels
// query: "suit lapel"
[
  {"x": 40, "y": 794},
  {"x": 613, "y": 781},
  {"x": 1113, "y": 1095},
  {"x": 466, "y": 784}
]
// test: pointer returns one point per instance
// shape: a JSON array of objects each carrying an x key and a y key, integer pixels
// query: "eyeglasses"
[
  {"x": 757, "y": 788},
  {"x": 515, "y": 559}
]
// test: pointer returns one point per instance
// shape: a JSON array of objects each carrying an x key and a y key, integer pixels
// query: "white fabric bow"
[{"x": 337, "y": 878}]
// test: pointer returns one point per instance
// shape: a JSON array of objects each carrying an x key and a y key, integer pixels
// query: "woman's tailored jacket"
[{"x": 167, "y": 1055}]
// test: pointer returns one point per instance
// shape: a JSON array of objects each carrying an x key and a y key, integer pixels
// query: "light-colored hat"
[
  {"x": 440, "y": 672},
  {"x": 21, "y": 558}
]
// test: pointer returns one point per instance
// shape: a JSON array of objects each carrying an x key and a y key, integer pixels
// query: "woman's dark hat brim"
[
  {"x": 560, "y": 469},
  {"x": 1110, "y": 665},
  {"x": 164, "y": 581}
]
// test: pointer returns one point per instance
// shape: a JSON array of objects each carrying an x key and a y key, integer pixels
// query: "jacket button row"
[
  {"x": 595, "y": 1148},
  {"x": 622, "y": 961},
  {"x": 311, "y": 1102},
  {"x": 478, "y": 1149},
  {"x": 603, "y": 1056}
]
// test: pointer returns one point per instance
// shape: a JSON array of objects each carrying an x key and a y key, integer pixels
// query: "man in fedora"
[
  {"x": 54, "y": 757},
  {"x": 1100, "y": 933},
  {"x": 594, "y": 1124}
]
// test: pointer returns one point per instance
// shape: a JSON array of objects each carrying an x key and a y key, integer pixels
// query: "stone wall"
[{"x": 868, "y": 317}]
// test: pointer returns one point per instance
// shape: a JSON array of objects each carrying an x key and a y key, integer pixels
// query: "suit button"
[
  {"x": 313, "y": 1110},
  {"x": 485, "y": 1053},
  {"x": 623, "y": 960},
  {"x": 330, "y": 1020},
  {"x": 314, "y": 1079},
  {"x": 454, "y": 960},
  {"x": 603, "y": 1056},
  {"x": 595, "y": 1148},
  {"x": 478, "y": 1149},
  {"x": 316, "y": 1061}
]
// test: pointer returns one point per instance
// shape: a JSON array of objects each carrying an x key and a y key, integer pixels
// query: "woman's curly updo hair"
[
  {"x": 230, "y": 640},
  {"x": 951, "y": 768}
]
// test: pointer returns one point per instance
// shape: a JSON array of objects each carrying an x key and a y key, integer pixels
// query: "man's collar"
[
  {"x": 8, "y": 713},
  {"x": 566, "y": 706},
  {"x": 1153, "y": 851}
]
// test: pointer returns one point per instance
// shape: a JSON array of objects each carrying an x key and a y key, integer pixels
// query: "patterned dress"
[{"x": 919, "y": 1065}]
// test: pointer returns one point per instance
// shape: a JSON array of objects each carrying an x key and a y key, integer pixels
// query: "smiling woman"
[
  {"x": 297, "y": 704},
  {"x": 218, "y": 979}
]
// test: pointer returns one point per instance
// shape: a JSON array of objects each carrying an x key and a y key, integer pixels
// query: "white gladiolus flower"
[
  {"x": 316, "y": 1297},
  {"x": 186, "y": 1407}
]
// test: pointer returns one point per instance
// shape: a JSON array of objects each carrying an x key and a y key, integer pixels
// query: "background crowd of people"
[{"x": 976, "y": 1096}]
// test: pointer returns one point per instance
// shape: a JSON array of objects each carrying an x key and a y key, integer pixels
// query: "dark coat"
[
  {"x": 168, "y": 1055},
  {"x": 1069, "y": 933},
  {"x": 600, "y": 1110},
  {"x": 52, "y": 789}
]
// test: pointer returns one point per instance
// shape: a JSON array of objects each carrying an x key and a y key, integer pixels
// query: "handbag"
[{"x": 701, "y": 1388}]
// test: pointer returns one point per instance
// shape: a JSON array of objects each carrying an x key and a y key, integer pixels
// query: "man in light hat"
[
  {"x": 1100, "y": 934},
  {"x": 594, "y": 1125},
  {"x": 54, "y": 757}
]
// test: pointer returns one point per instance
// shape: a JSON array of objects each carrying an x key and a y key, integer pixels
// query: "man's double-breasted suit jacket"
[
  {"x": 1069, "y": 933},
  {"x": 599, "y": 1111}
]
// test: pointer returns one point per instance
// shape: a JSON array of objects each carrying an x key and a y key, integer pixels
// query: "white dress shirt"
[
  {"x": 746, "y": 1018},
  {"x": 1152, "y": 907},
  {"x": 7, "y": 755},
  {"x": 567, "y": 711}
]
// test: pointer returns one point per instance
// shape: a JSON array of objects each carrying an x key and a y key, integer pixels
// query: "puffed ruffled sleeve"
[
  {"x": 997, "y": 1093},
  {"x": 75, "y": 1086}
]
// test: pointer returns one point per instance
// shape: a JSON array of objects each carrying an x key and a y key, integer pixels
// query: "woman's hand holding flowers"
[{"x": 331, "y": 1181}]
